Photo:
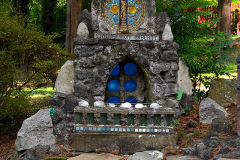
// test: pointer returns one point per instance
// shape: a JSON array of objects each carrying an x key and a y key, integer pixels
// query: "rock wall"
[{"x": 95, "y": 60}]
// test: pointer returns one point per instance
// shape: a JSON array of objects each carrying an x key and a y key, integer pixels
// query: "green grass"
[{"x": 41, "y": 92}]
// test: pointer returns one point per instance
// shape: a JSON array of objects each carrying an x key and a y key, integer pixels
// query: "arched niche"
[{"x": 128, "y": 82}]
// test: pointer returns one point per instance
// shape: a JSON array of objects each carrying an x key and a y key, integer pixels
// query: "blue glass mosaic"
[
  {"x": 108, "y": 129},
  {"x": 77, "y": 128},
  {"x": 115, "y": 19},
  {"x": 131, "y": 1},
  {"x": 152, "y": 130},
  {"x": 81, "y": 128},
  {"x": 86, "y": 128},
  {"x": 128, "y": 130},
  {"x": 116, "y": 129},
  {"x": 120, "y": 129},
  {"x": 90, "y": 128},
  {"x": 116, "y": 69},
  {"x": 148, "y": 130},
  {"x": 131, "y": 100},
  {"x": 112, "y": 129},
  {"x": 130, "y": 69},
  {"x": 132, "y": 129},
  {"x": 99, "y": 129},
  {"x": 115, "y": 2},
  {"x": 131, "y": 20},
  {"x": 94, "y": 129},
  {"x": 113, "y": 86},
  {"x": 130, "y": 86},
  {"x": 124, "y": 129},
  {"x": 113, "y": 99},
  {"x": 159, "y": 130},
  {"x": 103, "y": 129}
]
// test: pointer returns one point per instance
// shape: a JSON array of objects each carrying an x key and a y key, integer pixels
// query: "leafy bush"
[
  {"x": 200, "y": 46},
  {"x": 28, "y": 59}
]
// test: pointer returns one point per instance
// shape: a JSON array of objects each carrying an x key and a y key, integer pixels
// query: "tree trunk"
[
  {"x": 224, "y": 15},
  {"x": 74, "y": 7},
  {"x": 47, "y": 15}
]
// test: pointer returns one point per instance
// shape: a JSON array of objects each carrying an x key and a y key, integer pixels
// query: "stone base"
[{"x": 120, "y": 142}]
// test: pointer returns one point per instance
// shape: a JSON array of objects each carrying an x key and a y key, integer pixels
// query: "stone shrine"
[{"x": 122, "y": 96}]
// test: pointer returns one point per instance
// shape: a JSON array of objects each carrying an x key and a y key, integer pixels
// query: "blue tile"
[
  {"x": 128, "y": 130},
  {"x": 77, "y": 128},
  {"x": 132, "y": 129},
  {"x": 81, "y": 128},
  {"x": 148, "y": 130},
  {"x": 116, "y": 129},
  {"x": 108, "y": 129},
  {"x": 86, "y": 128},
  {"x": 103, "y": 129},
  {"x": 95, "y": 129},
  {"x": 124, "y": 129},
  {"x": 99, "y": 129},
  {"x": 120, "y": 129},
  {"x": 152, "y": 130},
  {"x": 90, "y": 128},
  {"x": 112, "y": 129},
  {"x": 159, "y": 130}
]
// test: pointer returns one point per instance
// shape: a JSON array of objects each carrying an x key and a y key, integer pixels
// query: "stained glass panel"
[
  {"x": 113, "y": 86},
  {"x": 112, "y": 11},
  {"x": 131, "y": 100},
  {"x": 130, "y": 86},
  {"x": 130, "y": 69}
]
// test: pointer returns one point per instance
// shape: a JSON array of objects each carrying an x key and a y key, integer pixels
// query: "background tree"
[
  {"x": 74, "y": 7},
  {"x": 48, "y": 7},
  {"x": 224, "y": 16}
]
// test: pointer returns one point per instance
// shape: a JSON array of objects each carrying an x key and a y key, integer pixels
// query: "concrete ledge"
[{"x": 120, "y": 142}]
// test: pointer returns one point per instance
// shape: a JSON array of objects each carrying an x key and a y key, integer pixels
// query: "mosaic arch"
[
  {"x": 122, "y": 15},
  {"x": 127, "y": 83}
]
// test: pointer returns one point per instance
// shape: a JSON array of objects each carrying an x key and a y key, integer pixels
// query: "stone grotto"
[{"x": 119, "y": 94}]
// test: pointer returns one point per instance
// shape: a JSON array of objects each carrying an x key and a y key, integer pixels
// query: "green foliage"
[
  {"x": 200, "y": 46},
  {"x": 28, "y": 59}
]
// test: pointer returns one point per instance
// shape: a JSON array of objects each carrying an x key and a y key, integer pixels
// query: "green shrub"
[
  {"x": 28, "y": 59},
  {"x": 199, "y": 45}
]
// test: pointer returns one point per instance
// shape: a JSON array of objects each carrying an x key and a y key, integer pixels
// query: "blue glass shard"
[
  {"x": 109, "y": 12},
  {"x": 116, "y": 70},
  {"x": 131, "y": 1},
  {"x": 113, "y": 99},
  {"x": 130, "y": 86},
  {"x": 115, "y": 18},
  {"x": 109, "y": 4},
  {"x": 136, "y": 14},
  {"x": 131, "y": 20},
  {"x": 115, "y": 2},
  {"x": 113, "y": 86},
  {"x": 131, "y": 100},
  {"x": 130, "y": 69}
]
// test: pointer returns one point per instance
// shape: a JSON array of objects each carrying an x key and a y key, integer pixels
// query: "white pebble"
[
  {"x": 99, "y": 104},
  {"x": 126, "y": 105},
  {"x": 83, "y": 103},
  {"x": 155, "y": 106},
  {"x": 139, "y": 105}
]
